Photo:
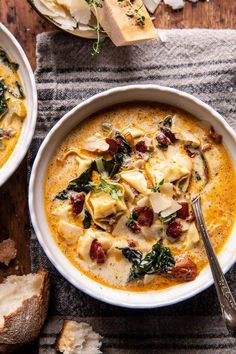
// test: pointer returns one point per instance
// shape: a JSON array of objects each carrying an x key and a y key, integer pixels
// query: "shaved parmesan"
[
  {"x": 188, "y": 138},
  {"x": 96, "y": 143},
  {"x": 136, "y": 179},
  {"x": 121, "y": 228},
  {"x": 143, "y": 202},
  {"x": 81, "y": 11},
  {"x": 160, "y": 202},
  {"x": 153, "y": 232},
  {"x": 175, "y": 4},
  {"x": 171, "y": 210},
  {"x": 149, "y": 278},
  {"x": 135, "y": 132},
  {"x": 151, "y": 5},
  {"x": 62, "y": 211}
]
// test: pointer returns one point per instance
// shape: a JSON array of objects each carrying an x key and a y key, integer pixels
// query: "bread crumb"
[{"x": 8, "y": 251}]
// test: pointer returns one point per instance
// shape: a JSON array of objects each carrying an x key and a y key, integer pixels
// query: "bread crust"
[{"x": 24, "y": 325}]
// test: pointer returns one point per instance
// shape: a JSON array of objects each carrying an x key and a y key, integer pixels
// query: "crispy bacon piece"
[
  {"x": 96, "y": 252},
  {"x": 141, "y": 147},
  {"x": 132, "y": 243},
  {"x": 145, "y": 216},
  {"x": 77, "y": 201},
  {"x": 184, "y": 270},
  {"x": 166, "y": 137},
  {"x": 189, "y": 152},
  {"x": 174, "y": 229},
  {"x": 114, "y": 145},
  {"x": 168, "y": 133},
  {"x": 134, "y": 227},
  {"x": 183, "y": 213}
]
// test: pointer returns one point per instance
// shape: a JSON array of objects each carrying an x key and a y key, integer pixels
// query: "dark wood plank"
[{"x": 25, "y": 24}]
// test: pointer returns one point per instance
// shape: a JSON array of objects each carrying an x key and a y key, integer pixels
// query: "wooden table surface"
[{"x": 25, "y": 24}]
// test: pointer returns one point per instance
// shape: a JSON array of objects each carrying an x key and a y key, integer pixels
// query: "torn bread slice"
[
  {"x": 125, "y": 22},
  {"x": 78, "y": 338},
  {"x": 23, "y": 307}
]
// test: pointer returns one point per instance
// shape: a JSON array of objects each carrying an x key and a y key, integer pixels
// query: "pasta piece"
[
  {"x": 192, "y": 237},
  {"x": 136, "y": 179},
  {"x": 69, "y": 232}
]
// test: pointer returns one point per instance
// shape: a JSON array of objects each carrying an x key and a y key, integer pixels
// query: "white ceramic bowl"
[
  {"x": 13, "y": 48},
  {"x": 114, "y": 96}
]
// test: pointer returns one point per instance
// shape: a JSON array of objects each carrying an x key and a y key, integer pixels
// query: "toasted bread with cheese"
[{"x": 125, "y": 23}]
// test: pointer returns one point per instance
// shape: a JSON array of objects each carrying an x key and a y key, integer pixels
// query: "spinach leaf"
[
  {"x": 158, "y": 260},
  {"x": 87, "y": 219},
  {"x": 3, "y": 101},
  {"x": 6, "y": 61}
]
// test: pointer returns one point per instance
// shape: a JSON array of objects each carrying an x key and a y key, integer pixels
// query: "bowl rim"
[
  {"x": 20, "y": 154},
  {"x": 56, "y": 127}
]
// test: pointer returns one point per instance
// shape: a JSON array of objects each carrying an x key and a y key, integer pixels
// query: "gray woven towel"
[{"x": 201, "y": 62}]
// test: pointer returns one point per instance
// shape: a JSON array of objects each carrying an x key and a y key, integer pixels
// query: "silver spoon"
[{"x": 227, "y": 302}]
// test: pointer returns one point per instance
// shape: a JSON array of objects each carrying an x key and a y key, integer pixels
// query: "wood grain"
[{"x": 25, "y": 24}]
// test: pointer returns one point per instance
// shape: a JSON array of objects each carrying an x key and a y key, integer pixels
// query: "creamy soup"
[
  {"x": 118, "y": 195},
  {"x": 12, "y": 106}
]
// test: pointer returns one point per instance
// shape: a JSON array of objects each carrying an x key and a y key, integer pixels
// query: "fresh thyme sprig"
[{"x": 97, "y": 45}]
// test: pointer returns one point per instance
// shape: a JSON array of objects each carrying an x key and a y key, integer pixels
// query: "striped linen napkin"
[{"x": 200, "y": 62}]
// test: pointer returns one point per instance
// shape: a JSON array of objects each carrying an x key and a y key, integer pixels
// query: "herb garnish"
[
  {"x": 156, "y": 188},
  {"x": 97, "y": 45},
  {"x": 197, "y": 176},
  {"x": 133, "y": 217},
  {"x": 134, "y": 12},
  {"x": 108, "y": 188},
  {"x": 159, "y": 260},
  {"x": 168, "y": 218}
]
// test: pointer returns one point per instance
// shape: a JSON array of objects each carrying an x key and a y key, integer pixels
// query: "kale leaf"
[
  {"x": 87, "y": 219},
  {"x": 6, "y": 60},
  {"x": 3, "y": 101},
  {"x": 83, "y": 183},
  {"x": 158, "y": 260}
]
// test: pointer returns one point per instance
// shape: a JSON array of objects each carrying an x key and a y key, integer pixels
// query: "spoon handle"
[{"x": 227, "y": 302}]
